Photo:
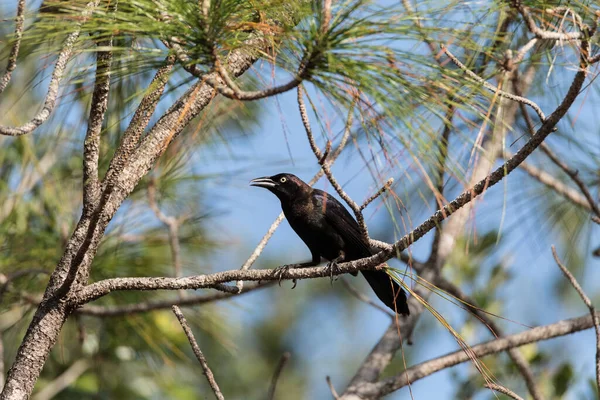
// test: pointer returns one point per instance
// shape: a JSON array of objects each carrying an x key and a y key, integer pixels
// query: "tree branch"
[
  {"x": 586, "y": 300},
  {"x": 206, "y": 370},
  {"x": 190, "y": 301},
  {"x": 91, "y": 145},
  {"x": 503, "y": 390},
  {"x": 492, "y": 88},
  {"x": 422, "y": 370},
  {"x": 280, "y": 365},
  {"x": 14, "y": 52},
  {"x": 541, "y": 33},
  {"x": 57, "y": 75}
]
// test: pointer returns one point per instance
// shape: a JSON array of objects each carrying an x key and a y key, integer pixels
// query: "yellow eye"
[{"x": 283, "y": 179}]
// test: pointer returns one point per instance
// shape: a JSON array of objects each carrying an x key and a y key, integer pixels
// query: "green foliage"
[{"x": 368, "y": 59}]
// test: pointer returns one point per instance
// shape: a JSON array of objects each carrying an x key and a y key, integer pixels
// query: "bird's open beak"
[{"x": 264, "y": 182}]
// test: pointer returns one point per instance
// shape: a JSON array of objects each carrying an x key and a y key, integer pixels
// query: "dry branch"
[
  {"x": 422, "y": 370},
  {"x": 201, "y": 359},
  {"x": 492, "y": 88},
  {"x": 503, "y": 390},
  {"x": 55, "y": 80},
  {"x": 586, "y": 300},
  {"x": 14, "y": 52},
  {"x": 154, "y": 305}
]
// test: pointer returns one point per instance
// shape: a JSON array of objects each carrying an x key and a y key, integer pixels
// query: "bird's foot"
[
  {"x": 279, "y": 271},
  {"x": 332, "y": 267}
]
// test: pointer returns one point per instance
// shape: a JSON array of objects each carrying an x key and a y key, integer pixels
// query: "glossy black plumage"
[{"x": 329, "y": 231}]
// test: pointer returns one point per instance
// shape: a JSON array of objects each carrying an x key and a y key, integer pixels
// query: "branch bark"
[
  {"x": 376, "y": 390},
  {"x": 14, "y": 52},
  {"x": 201, "y": 359},
  {"x": 57, "y": 75}
]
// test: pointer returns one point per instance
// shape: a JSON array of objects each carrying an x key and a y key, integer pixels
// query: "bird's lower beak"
[{"x": 263, "y": 182}]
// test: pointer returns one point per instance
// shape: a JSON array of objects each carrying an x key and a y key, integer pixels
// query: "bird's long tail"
[{"x": 388, "y": 291}]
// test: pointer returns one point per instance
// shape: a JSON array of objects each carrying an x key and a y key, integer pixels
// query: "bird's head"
[{"x": 285, "y": 186}]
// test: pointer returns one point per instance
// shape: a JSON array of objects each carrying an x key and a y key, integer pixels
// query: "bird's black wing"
[
  {"x": 338, "y": 217},
  {"x": 355, "y": 247}
]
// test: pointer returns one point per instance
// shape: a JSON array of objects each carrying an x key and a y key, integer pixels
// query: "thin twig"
[
  {"x": 14, "y": 52},
  {"x": 325, "y": 164},
  {"x": 57, "y": 75},
  {"x": 334, "y": 393},
  {"x": 573, "y": 174},
  {"x": 492, "y": 88},
  {"x": 224, "y": 84},
  {"x": 205, "y": 368},
  {"x": 503, "y": 390},
  {"x": 523, "y": 51},
  {"x": 381, "y": 191},
  {"x": 280, "y": 365},
  {"x": 586, "y": 300},
  {"x": 541, "y": 33}
]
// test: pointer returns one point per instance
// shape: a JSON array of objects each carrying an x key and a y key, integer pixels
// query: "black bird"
[{"x": 329, "y": 231}]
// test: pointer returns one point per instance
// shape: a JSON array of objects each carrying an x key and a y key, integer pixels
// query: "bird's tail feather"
[{"x": 388, "y": 291}]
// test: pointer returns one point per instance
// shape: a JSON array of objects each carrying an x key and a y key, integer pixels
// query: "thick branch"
[
  {"x": 91, "y": 145},
  {"x": 52, "y": 312},
  {"x": 139, "y": 122}
]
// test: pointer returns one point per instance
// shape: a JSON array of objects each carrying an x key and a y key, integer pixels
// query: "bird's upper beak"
[{"x": 264, "y": 182}]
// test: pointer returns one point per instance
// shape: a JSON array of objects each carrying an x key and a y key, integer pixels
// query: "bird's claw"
[
  {"x": 332, "y": 266},
  {"x": 279, "y": 271}
]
